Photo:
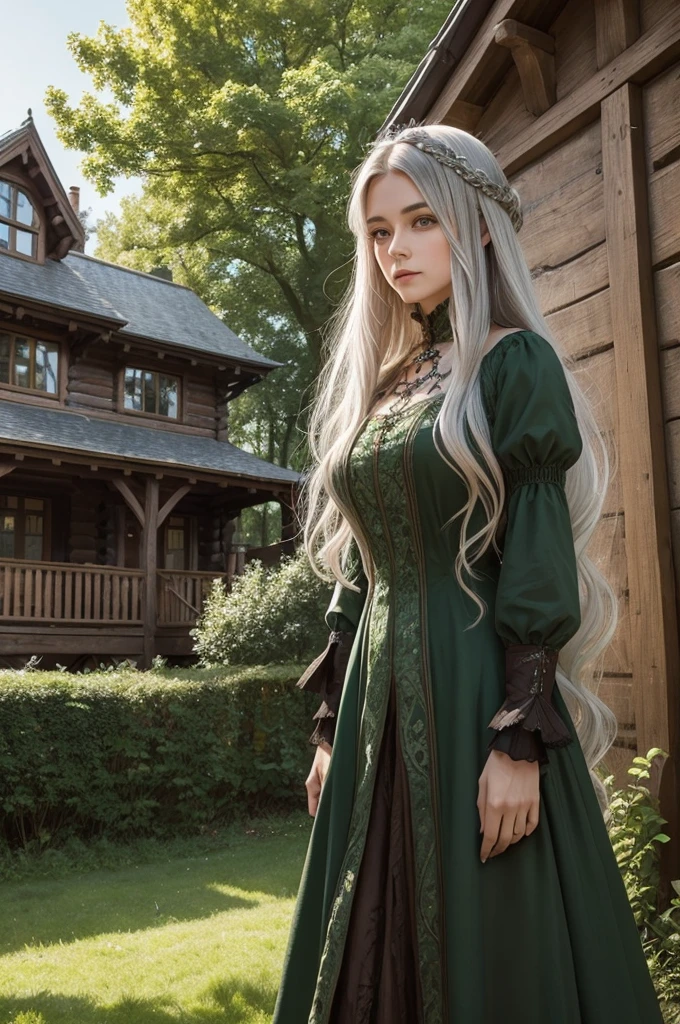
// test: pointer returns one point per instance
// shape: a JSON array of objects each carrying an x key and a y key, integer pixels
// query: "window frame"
[
  {"x": 20, "y": 514},
  {"x": 34, "y": 340},
  {"x": 19, "y": 184},
  {"x": 157, "y": 416}
]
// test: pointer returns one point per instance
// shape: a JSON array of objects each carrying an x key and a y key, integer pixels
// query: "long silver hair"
[{"x": 369, "y": 337}]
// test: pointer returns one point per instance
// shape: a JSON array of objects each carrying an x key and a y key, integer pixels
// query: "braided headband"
[{"x": 506, "y": 196}]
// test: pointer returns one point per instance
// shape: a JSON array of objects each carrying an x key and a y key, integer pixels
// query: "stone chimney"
[{"x": 74, "y": 198}]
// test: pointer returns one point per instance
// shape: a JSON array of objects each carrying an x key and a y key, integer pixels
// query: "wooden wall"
[
  {"x": 94, "y": 384},
  {"x": 598, "y": 170}
]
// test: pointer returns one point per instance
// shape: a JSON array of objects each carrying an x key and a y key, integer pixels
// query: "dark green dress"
[{"x": 397, "y": 921}]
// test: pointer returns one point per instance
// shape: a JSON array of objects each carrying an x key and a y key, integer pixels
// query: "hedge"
[{"x": 148, "y": 753}]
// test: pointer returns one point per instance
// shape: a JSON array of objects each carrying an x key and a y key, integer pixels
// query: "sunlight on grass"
[{"x": 196, "y": 939}]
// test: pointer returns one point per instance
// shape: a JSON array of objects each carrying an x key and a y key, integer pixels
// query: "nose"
[{"x": 397, "y": 248}]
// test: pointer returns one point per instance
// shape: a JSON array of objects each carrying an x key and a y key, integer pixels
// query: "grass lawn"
[{"x": 195, "y": 936}]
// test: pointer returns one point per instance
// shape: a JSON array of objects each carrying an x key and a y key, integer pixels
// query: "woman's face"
[{"x": 407, "y": 236}]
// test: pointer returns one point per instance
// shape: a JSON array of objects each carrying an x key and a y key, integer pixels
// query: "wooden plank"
[
  {"x": 97, "y": 597},
  {"x": 559, "y": 286},
  {"x": 585, "y": 327},
  {"x": 58, "y": 578},
  {"x": 664, "y": 201},
  {"x": 87, "y": 596},
  {"x": 670, "y": 384},
  {"x": 655, "y": 655},
  {"x": 661, "y": 125},
  {"x": 106, "y": 604},
  {"x": 39, "y": 590},
  {"x": 68, "y": 595},
  {"x": 667, "y": 294},
  {"x": 562, "y": 200},
  {"x": 651, "y": 54}
]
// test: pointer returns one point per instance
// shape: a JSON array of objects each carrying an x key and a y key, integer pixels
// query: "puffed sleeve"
[
  {"x": 326, "y": 674},
  {"x": 535, "y": 436}
]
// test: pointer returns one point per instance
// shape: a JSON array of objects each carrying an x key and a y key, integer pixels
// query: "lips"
[{"x": 405, "y": 273}]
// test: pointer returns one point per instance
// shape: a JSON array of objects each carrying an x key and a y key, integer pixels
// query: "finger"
[
  {"x": 533, "y": 817},
  {"x": 492, "y": 823},
  {"x": 505, "y": 834},
  {"x": 481, "y": 802},
  {"x": 519, "y": 828}
]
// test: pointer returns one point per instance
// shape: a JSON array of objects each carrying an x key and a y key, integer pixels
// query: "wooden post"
[
  {"x": 655, "y": 658},
  {"x": 150, "y": 566}
]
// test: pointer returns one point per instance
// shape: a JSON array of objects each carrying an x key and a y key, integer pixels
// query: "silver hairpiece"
[{"x": 506, "y": 196}]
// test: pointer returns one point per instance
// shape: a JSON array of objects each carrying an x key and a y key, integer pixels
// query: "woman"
[{"x": 459, "y": 869}]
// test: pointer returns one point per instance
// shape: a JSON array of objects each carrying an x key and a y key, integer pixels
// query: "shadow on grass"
[
  {"x": 154, "y": 895},
  {"x": 234, "y": 1001}
]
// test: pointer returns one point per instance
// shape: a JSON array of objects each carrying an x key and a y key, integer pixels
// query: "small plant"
[{"x": 636, "y": 830}]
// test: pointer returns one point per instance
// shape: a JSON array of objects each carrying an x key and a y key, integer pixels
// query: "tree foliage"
[{"x": 244, "y": 121}]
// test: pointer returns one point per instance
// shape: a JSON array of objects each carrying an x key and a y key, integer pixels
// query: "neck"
[{"x": 436, "y": 325}]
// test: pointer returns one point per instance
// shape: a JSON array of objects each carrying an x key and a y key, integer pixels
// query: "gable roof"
[
  {"x": 24, "y": 142},
  {"x": 136, "y": 304}
]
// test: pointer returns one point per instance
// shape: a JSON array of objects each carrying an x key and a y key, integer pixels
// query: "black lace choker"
[
  {"x": 436, "y": 329},
  {"x": 436, "y": 325}
]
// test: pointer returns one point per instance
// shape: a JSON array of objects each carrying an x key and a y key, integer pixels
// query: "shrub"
[
  {"x": 270, "y": 616},
  {"x": 636, "y": 830},
  {"x": 147, "y": 753}
]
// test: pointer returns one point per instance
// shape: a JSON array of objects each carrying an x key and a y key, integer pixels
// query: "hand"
[
  {"x": 508, "y": 802},
  {"x": 317, "y": 775}
]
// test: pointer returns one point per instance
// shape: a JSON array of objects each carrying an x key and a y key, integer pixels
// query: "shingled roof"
[
  {"x": 49, "y": 429},
  {"x": 161, "y": 310}
]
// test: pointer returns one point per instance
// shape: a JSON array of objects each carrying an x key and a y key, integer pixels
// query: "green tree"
[{"x": 244, "y": 121}]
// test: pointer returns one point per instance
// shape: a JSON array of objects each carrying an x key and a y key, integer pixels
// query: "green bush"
[
  {"x": 270, "y": 616},
  {"x": 147, "y": 753},
  {"x": 635, "y": 830}
]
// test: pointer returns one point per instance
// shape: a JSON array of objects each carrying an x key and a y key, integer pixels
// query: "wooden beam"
[
  {"x": 617, "y": 26},
  {"x": 647, "y": 57},
  {"x": 464, "y": 115},
  {"x": 8, "y": 467},
  {"x": 534, "y": 55},
  {"x": 644, "y": 480},
  {"x": 129, "y": 499},
  {"x": 171, "y": 502},
  {"x": 150, "y": 566}
]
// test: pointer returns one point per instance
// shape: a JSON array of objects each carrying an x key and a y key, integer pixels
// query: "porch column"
[{"x": 150, "y": 566}]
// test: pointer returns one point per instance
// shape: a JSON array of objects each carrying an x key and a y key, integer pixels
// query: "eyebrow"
[{"x": 407, "y": 209}]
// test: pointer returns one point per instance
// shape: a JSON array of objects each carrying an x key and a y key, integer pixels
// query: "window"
[
  {"x": 176, "y": 542},
  {"x": 29, "y": 363},
  {"x": 22, "y": 527},
  {"x": 19, "y": 221},
  {"x": 151, "y": 392}
]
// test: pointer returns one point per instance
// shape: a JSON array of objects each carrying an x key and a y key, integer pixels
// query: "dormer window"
[
  {"x": 19, "y": 221},
  {"x": 148, "y": 391}
]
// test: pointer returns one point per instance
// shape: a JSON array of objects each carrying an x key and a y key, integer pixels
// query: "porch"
[{"x": 48, "y": 607}]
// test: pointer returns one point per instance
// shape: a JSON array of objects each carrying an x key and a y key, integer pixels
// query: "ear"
[{"x": 486, "y": 237}]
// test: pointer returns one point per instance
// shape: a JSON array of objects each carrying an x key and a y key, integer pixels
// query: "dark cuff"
[
  {"x": 529, "y": 682},
  {"x": 519, "y": 744},
  {"x": 326, "y": 676}
]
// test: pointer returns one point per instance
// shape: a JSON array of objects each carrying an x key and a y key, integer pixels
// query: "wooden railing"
[
  {"x": 181, "y": 595},
  {"x": 65, "y": 592}
]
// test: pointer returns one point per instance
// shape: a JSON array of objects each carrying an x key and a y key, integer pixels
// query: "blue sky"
[{"x": 35, "y": 56}]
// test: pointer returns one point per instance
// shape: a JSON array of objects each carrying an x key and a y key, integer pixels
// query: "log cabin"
[
  {"x": 119, "y": 488},
  {"x": 579, "y": 100}
]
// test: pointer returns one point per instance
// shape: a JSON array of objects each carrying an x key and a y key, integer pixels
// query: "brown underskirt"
[{"x": 379, "y": 981}]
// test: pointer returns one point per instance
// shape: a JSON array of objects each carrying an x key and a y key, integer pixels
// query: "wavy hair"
[{"x": 367, "y": 342}]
